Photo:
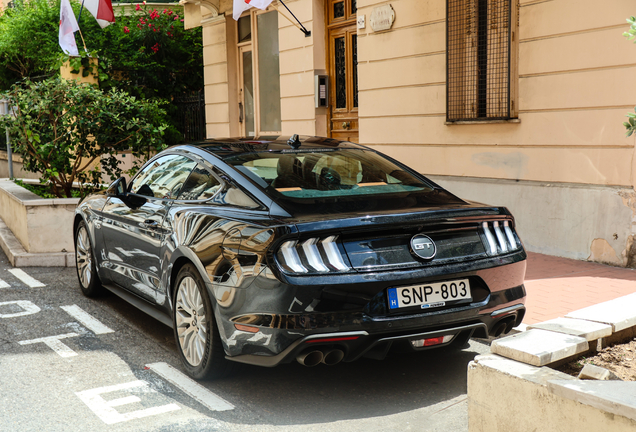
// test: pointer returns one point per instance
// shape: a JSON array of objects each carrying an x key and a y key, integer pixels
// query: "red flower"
[
  {"x": 126, "y": 30},
  {"x": 155, "y": 47},
  {"x": 169, "y": 12},
  {"x": 138, "y": 7},
  {"x": 169, "y": 34}
]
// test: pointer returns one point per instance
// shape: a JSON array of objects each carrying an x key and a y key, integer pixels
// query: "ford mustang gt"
[{"x": 266, "y": 251}]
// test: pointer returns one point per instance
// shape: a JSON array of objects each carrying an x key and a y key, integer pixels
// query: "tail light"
[
  {"x": 500, "y": 238},
  {"x": 314, "y": 255}
]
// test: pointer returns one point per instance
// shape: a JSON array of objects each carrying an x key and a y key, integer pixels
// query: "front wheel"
[
  {"x": 197, "y": 337},
  {"x": 87, "y": 276}
]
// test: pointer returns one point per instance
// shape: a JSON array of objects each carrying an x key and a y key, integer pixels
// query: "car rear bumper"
[
  {"x": 358, "y": 335},
  {"x": 357, "y": 344}
]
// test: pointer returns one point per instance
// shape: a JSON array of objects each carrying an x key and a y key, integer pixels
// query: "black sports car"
[{"x": 266, "y": 251}]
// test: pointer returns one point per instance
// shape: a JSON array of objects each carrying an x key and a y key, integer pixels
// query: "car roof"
[{"x": 234, "y": 146}]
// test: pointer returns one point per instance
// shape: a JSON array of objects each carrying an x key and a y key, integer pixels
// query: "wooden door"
[{"x": 343, "y": 69}]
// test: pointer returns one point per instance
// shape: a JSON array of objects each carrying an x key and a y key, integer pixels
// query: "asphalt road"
[{"x": 64, "y": 370}]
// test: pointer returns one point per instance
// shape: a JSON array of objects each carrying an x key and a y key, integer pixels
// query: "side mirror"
[{"x": 117, "y": 188}]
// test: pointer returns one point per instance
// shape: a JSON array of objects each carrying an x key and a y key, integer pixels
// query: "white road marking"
[
  {"x": 28, "y": 308},
  {"x": 28, "y": 280},
  {"x": 3, "y": 284},
  {"x": 191, "y": 387},
  {"x": 88, "y": 320},
  {"x": 54, "y": 343},
  {"x": 105, "y": 409}
]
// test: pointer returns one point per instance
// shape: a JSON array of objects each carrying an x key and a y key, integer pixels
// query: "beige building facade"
[{"x": 519, "y": 104}]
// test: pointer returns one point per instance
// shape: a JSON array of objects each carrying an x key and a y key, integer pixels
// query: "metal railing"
[{"x": 192, "y": 115}]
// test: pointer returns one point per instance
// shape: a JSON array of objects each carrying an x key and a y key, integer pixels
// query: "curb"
[
  {"x": 19, "y": 257},
  {"x": 519, "y": 369}
]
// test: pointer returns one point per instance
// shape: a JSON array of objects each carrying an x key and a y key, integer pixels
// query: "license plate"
[{"x": 429, "y": 295}]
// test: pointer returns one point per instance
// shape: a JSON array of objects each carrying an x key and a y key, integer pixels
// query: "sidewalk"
[{"x": 556, "y": 286}]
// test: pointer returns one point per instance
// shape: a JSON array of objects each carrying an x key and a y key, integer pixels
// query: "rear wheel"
[
  {"x": 197, "y": 337},
  {"x": 87, "y": 276}
]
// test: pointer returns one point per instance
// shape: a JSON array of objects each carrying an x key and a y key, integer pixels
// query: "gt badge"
[{"x": 423, "y": 247}]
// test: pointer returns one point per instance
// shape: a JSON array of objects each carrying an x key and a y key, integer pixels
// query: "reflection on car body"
[{"x": 264, "y": 252}]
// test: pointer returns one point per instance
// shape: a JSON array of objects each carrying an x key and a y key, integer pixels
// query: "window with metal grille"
[{"x": 478, "y": 66}]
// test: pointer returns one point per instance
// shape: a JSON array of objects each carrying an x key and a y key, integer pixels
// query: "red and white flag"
[
  {"x": 68, "y": 27},
  {"x": 241, "y": 6},
  {"x": 102, "y": 10}
]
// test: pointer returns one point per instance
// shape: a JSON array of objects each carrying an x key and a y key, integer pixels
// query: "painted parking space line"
[
  {"x": 28, "y": 308},
  {"x": 54, "y": 343},
  {"x": 88, "y": 320},
  {"x": 26, "y": 279},
  {"x": 3, "y": 284},
  {"x": 105, "y": 409},
  {"x": 191, "y": 387}
]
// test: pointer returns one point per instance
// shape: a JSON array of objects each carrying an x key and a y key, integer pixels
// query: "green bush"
[
  {"x": 147, "y": 54},
  {"x": 62, "y": 128},
  {"x": 28, "y": 40},
  {"x": 150, "y": 55}
]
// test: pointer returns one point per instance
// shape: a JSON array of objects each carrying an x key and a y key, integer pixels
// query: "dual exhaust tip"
[
  {"x": 315, "y": 357},
  {"x": 503, "y": 327}
]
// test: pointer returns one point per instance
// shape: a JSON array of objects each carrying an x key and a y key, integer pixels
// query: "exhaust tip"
[
  {"x": 333, "y": 357},
  {"x": 310, "y": 358},
  {"x": 503, "y": 327},
  {"x": 509, "y": 326},
  {"x": 499, "y": 329}
]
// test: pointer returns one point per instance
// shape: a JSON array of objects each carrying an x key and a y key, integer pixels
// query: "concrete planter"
[
  {"x": 36, "y": 231},
  {"x": 514, "y": 389}
]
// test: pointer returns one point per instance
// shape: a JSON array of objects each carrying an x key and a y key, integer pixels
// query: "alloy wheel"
[
  {"x": 83, "y": 257},
  {"x": 191, "y": 321}
]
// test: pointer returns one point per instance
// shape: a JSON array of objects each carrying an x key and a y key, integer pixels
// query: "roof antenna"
[{"x": 294, "y": 142}]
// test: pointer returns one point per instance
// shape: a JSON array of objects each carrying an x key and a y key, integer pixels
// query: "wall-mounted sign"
[
  {"x": 382, "y": 18},
  {"x": 361, "y": 22}
]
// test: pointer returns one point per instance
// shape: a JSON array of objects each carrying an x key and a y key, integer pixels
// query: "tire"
[
  {"x": 197, "y": 338},
  {"x": 87, "y": 275}
]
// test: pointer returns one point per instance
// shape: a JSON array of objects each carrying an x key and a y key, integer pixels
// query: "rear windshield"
[{"x": 326, "y": 174}]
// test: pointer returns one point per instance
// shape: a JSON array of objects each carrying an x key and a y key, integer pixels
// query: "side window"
[
  {"x": 163, "y": 178},
  {"x": 235, "y": 197},
  {"x": 201, "y": 185}
]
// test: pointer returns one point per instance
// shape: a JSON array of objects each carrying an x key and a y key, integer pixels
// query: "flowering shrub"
[{"x": 150, "y": 55}]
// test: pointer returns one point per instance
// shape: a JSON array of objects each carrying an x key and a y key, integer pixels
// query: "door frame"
[
  {"x": 335, "y": 27},
  {"x": 246, "y": 47}
]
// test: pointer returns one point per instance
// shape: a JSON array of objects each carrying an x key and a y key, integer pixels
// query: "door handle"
[
  {"x": 346, "y": 125},
  {"x": 149, "y": 223},
  {"x": 240, "y": 112}
]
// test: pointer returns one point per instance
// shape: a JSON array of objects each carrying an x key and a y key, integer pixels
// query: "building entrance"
[{"x": 342, "y": 63}]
